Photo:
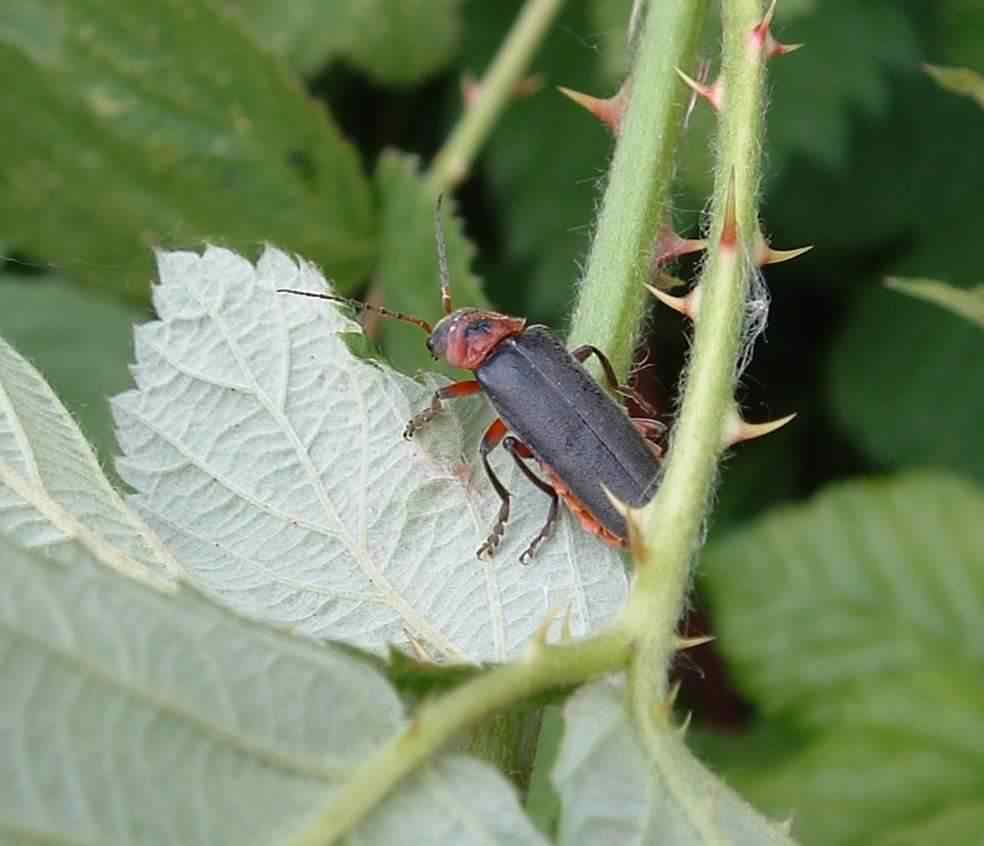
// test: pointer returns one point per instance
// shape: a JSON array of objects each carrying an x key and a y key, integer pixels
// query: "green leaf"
[
  {"x": 960, "y": 33},
  {"x": 542, "y": 802},
  {"x": 903, "y": 382},
  {"x": 859, "y": 615},
  {"x": 881, "y": 195},
  {"x": 853, "y": 785},
  {"x": 142, "y": 123},
  {"x": 855, "y": 580},
  {"x": 958, "y": 824},
  {"x": 968, "y": 304},
  {"x": 853, "y": 48},
  {"x": 546, "y": 219},
  {"x": 407, "y": 274},
  {"x": 395, "y": 41},
  {"x": 79, "y": 341},
  {"x": 614, "y": 790},
  {"x": 610, "y": 22},
  {"x": 53, "y": 494},
  {"x": 273, "y": 462},
  {"x": 963, "y": 81}
]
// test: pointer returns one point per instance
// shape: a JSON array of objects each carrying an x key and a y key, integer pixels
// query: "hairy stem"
[
  {"x": 636, "y": 204},
  {"x": 438, "y": 721},
  {"x": 453, "y": 161},
  {"x": 672, "y": 524}
]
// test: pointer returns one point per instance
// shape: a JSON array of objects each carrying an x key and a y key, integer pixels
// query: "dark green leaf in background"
[
  {"x": 861, "y": 616},
  {"x": 609, "y": 20},
  {"x": 82, "y": 344},
  {"x": 134, "y": 124},
  {"x": 817, "y": 93},
  {"x": 841, "y": 74},
  {"x": 961, "y": 33},
  {"x": 543, "y": 163},
  {"x": 961, "y": 823},
  {"x": 394, "y": 41},
  {"x": 909, "y": 179},
  {"x": 905, "y": 383},
  {"x": 407, "y": 275}
]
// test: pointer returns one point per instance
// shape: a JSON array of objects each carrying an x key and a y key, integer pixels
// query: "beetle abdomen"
[{"x": 570, "y": 423}]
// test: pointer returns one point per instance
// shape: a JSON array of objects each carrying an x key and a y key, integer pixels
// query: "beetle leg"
[
  {"x": 585, "y": 351},
  {"x": 453, "y": 391},
  {"x": 518, "y": 450},
  {"x": 490, "y": 440},
  {"x": 653, "y": 431}
]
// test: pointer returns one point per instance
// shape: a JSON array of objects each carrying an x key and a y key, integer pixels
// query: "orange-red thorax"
[{"x": 467, "y": 336}]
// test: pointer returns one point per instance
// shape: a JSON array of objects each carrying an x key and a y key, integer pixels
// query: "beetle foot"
[
  {"x": 488, "y": 549},
  {"x": 530, "y": 552},
  {"x": 418, "y": 421}
]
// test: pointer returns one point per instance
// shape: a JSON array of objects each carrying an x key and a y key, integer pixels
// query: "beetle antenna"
[
  {"x": 385, "y": 312},
  {"x": 442, "y": 257}
]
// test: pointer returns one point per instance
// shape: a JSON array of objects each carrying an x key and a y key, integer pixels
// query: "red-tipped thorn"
[
  {"x": 762, "y": 41},
  {"x": 764, "y": 254},
  {"x": 471, "y": 89},
  {"x": 670, "y": 246},
  {"x": 609, "y": 111},
  {"x": 713, "y": 93},
  {"x": 729, "y": 230},
  {"x": 737, "y": 430},
  {"x": 688, "y": 305}
]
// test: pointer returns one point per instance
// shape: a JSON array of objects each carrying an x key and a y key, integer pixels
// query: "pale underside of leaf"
[
  {"x": 455, "y": 801},
  {"x": 129, "y": 716},
  {"x": 53, "y": 494},
  {"x": 615, "y": 789},
  {"x": 271, "y": 461}
]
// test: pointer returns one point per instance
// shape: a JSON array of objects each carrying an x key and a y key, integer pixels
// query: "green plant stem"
[
  {"x": 636, "y": 204},
  {"x": 436, "y": 722},
  {"x": 453, "y": 161},
  {"x": 644, "y": 637},
  {"x": 672, "y": 524}
]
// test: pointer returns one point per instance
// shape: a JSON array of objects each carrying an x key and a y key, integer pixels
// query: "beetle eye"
[{"x": 430, "y": 348}]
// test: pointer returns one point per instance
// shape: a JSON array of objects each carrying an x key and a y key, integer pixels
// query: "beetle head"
[{"x": 466, "y": 337}]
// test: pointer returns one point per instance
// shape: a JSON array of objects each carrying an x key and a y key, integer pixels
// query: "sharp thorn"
[
  {"x": 764, "y": 254},
  {"x": 738, "y": 430},
  {"x": 682, "y": 729},
  {"x": 609, "y": 110},
  {"x": 691, "y": 642},
  {"x": 712, "y": 93},
  {"x": 688, "y": 305}
]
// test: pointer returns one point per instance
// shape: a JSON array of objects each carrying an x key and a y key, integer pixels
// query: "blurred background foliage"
[{"x": 852, "y": 618}]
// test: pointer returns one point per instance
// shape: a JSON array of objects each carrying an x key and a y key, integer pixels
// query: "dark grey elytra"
[
  {"x": 550, "y": 410},
  {"x": 551, "y": 403}
]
